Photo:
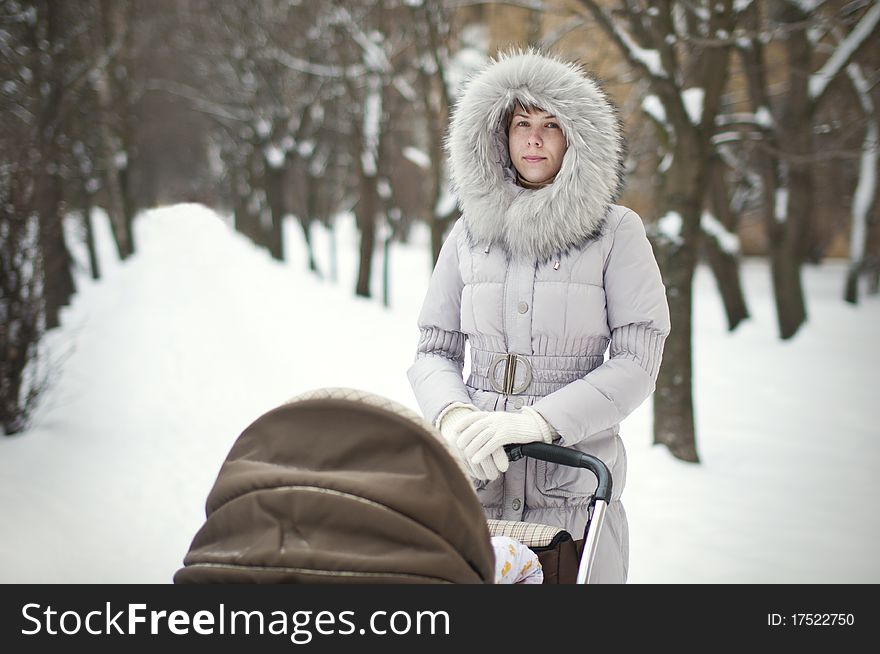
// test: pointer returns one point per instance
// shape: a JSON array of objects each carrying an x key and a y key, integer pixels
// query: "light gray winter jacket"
[{"x": 553, "y": 276}]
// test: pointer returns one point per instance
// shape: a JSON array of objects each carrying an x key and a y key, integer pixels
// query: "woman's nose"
[{"x": 535, "y": 139}]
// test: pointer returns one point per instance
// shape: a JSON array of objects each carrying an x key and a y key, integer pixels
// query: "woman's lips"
[{"x": 534, "y": 159}]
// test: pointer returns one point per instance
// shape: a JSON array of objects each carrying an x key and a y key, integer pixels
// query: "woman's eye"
[
  {"x": 522, "y": 123},
  {"x": 553, "y": 125}
]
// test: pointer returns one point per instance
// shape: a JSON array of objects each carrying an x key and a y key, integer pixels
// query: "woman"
[{"x": 540, "y": 275}]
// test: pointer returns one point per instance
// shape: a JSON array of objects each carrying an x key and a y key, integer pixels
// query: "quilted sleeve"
[{"x": 436, "y": 376}]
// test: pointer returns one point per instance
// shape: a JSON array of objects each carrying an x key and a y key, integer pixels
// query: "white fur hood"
[{"x": 569, "y": 212}]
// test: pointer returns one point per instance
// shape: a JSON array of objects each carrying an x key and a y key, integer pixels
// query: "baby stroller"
[{"x": 344, "y": 486}]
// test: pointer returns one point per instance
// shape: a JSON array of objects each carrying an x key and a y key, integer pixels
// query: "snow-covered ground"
[{"x": 162, "y": 363}]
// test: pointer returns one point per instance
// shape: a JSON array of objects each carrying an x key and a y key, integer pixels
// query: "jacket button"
[
  {"x": 523, "y": 307},
  {"x": 518, "y": 403},
  {"x": 516, "y": 504}
]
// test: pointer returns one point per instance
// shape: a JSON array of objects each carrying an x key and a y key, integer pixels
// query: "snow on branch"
[
  {"x": 866, "y": 189},
  {"x": 727, "y": 241},
  {"x": 648, "y": 60},
  {"x": 302, "y": 65},
  {"x": 845, "y": 51},
  {"x": 761, "y": 118},
  {"x": 199, "y": 102},
  {"x": 419, "y": 157},
  {"x": 375, "y": 58},
  {"x": 669, "y": 228},
  {"x": 652, "y": 106},
  {"x": 693, "y": 103},
  {"x": 807, "y": 6}
]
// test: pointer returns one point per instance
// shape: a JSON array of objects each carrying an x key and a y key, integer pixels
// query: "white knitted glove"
[
  {"x": 451, "y": 422},
  {"x": 485, "y": 438}
]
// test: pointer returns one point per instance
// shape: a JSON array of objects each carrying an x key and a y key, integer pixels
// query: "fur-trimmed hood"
[{"x": 569, "y": 212}]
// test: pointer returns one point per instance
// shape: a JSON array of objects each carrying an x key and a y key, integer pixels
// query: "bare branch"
[
  {"x": 198, "y": 100},
  {"x": 845, "y": 52},
  {"x": 648, "y": 61}
]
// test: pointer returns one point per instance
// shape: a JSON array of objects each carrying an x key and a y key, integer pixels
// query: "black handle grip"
[{"x": 568, "y": 457}]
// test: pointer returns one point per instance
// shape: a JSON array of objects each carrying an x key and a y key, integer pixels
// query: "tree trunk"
[
  {"x": 438, "y": 229},
  {"x": 386, "y": 271},
  {"x": 128, "y": 205},
  {"x": 334, "y": 264},
  {"x": 683, "y": 191},
  {"x": 251, "y": 221},
  {"x": 275, "y": 197},
  {"x": 851, "y": 290},
  {"x": 365, "y": 212},
  {"x": 724, "y": 263},
  {"x": 791, "y": 310},
  {"x": 241, "y": 215},
  {"x": 725, "y": 268},
  {"x": 305, "y": 222},
  {"x": 673, "y": 400},
  {"x": 21, "y": 307},
  {"x": 790, "y": 239},
  {"x": 48, "y": 189},
  {"x": 116, "y": 19},
  {"x": 94, "y": 265},
  {"x": 58, "y": 284},
  {"x": 108, "y": 157},
  {"x": 782, "y": 232}
]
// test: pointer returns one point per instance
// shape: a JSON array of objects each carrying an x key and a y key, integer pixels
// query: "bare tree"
[
  {"x": 35, "y": 277},
  {"x": 686, "y": 77},
  {"x": 433, "y": 37},
  {"x": 785, "y": 154},
  {"x": 21, "y": 302}
]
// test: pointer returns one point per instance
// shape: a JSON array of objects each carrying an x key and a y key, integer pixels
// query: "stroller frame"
[{"x": 596, "y": 517}]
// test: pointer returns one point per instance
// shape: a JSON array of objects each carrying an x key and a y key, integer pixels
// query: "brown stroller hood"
[{"x": 340, "y": 486}]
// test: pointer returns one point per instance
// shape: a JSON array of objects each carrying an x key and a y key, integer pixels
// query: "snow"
[
  {"x": 652, "y": 106},
  {"x": 693, "y": 103},
  {"x": 305, "y": 148},
  {"x": 372, "y": 125},
  {"x": 728, "y": 242},
  {"x": 175, "y": 351},
  {"x": 650, "y": 59},
  {"x": 446, "y": 203},
  {"x": 274, "y": 155},
  {"x": 780, "y": 206},
  {"x": 469, "y": 58},
  {"x": 419, "y": 157},
  {"x": 763, "y": 117},
  {"x": 669, "y": 226},
  {"x": 263, "y": 128},
  {"x": 844, "y": 51},
  {"x": 807, "y": 6},
  {"x": 383, "y": 188},
  {"x": 866, "y": 189}
]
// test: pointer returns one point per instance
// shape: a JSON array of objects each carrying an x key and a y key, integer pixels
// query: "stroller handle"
[{"x": 566, "y": 456}]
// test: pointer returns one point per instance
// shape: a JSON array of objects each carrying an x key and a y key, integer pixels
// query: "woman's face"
[{"x": 536, "y": 143}]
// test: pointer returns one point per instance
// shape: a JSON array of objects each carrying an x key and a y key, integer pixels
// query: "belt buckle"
[{"x": 510, "y": 363}]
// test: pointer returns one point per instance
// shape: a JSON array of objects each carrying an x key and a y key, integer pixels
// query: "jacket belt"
[{"x": 533, "y": 374}]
